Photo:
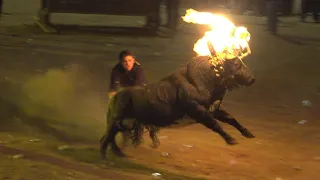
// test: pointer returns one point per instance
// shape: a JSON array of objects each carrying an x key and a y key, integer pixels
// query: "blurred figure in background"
[
  {"x": 173, "y": 13},
  {"x": 310, "y": 6},
  {"x": 1, "y": 6}
]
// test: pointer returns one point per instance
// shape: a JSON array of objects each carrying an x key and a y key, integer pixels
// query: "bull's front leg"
[
  {"x": 201, "y": 115},
  {"x": 190, "y": 93},
  {"x": 222, "y": 115}
]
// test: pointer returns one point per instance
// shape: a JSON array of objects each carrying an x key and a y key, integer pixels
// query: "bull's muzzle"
[{"x": 251, "y": 82}]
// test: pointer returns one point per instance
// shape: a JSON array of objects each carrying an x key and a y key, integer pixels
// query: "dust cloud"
[{"x": 66, "y": 98}]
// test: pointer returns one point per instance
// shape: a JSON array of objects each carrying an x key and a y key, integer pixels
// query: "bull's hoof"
[
  {"x": 118, "y": 153},
  {"x": 115, "y": 150},
  {"x": 103, "y": 154},
  {"x": 155, "y": 142},
  {"x": 231, "y": 141},
  {"x": 135, "y": 144},
  {"x": 246, "y": 133},
  {"x": 155, "y": 145}
]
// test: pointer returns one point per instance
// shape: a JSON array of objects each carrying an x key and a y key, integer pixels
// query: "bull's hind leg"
[
  {"x": 115, "y": 116},
  {"x": 153, "y": 135},
  {"x": 201, "y": 115},
  {"x": 137, "y": 136},
  {"x": 110, "y": 139},
  {"x": 223, "y": 116}
]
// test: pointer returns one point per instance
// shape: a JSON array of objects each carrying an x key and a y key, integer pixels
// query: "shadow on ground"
[{"x": 300, "y": 40}]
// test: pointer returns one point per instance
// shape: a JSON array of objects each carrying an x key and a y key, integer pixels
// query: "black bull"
[{"x": 195, "y": 90}]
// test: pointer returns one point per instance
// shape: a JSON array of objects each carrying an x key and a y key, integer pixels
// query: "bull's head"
[
  {"x": 232, "y": 71},
  {"x": 236, "y": 73},
  {"x": 229, "y": 73}
]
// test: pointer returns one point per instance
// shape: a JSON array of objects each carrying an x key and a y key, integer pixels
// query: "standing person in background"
[
  {"x": 315, "y": 8},
  {"x": 153, "y": 19},
  {"x": 173, "y": 13},
  {"x": 1, "y": 9},
  {"x": 260, "y": 7},
  {"x": 310, "y": 6},
  {"x": 304, "y": 10},
  {"x": 1, "y": 6},
  {"x": 272, "y": 16}
]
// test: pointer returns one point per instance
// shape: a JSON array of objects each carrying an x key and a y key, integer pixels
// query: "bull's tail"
[
  {"x": 110, "y": 109},
  {"x": 113, "y": 117},
  {"x": 108, "y": 114}
]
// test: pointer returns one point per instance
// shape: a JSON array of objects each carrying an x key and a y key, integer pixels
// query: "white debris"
[
  {"x": 156, "y": 175},
  {"x": 10, "y": 136},
  {"x": 298, "y": 168},
  {"x": 188, "y": 145},
  {"x": 317, "y": 158},
  {"x": 302, "y": 121},
  {"x": 165, "y": 154},
  {"x": 233, "y": 162},
  {"x": 141, "y": 22},
  {"x": 110, "y": 45},
  {"x": 35, "y": 140},
  {"x": 306, "y": 103},
  {"x": 29, "y": 40},
  {"x": 157, "y": 54},
  {"x": 163, "y": 137},
  {"x": 17, "y": 156},
  {"x": 71, "y": 173},
  {"x": 64, "y": 147}
]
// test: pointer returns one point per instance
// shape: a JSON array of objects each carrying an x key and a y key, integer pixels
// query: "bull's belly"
[
  {"x": 171, "y": 122},
  {"x": 183, "y": 122},
  {"x": 161, "y": 120},
  {"x": 163, "y": 117}
]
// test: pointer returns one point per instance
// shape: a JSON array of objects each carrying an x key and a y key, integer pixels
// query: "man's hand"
[{"x": 111, "y": 94}]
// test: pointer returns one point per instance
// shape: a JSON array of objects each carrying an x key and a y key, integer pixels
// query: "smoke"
[
  {"x": 66, "y": 98},
  {"x": 52, "y": 90}
]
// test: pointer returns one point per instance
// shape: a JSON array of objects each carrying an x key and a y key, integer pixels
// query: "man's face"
[{"x": 128, "y": 62}]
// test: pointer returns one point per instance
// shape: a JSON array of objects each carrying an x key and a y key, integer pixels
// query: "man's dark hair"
[{"x": 125, "y": 53}]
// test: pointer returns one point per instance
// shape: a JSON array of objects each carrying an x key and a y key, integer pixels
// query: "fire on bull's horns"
[{"x": 224, "y": 40}]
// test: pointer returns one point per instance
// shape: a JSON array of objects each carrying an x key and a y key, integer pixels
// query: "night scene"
[{"x": 159, "y": 89}]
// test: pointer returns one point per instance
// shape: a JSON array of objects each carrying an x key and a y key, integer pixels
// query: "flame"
[{"x": 228, "y": 41}]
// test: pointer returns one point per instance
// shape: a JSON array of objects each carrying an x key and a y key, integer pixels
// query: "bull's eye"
[{"x": 237, "y": 66}]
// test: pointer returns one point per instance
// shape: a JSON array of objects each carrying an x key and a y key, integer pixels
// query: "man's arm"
[
  {"x": 114, "y": 82},
  {"x": 140, "y": 78}
]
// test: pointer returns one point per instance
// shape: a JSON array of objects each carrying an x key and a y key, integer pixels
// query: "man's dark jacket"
[{"x": 122, "y": 78}]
